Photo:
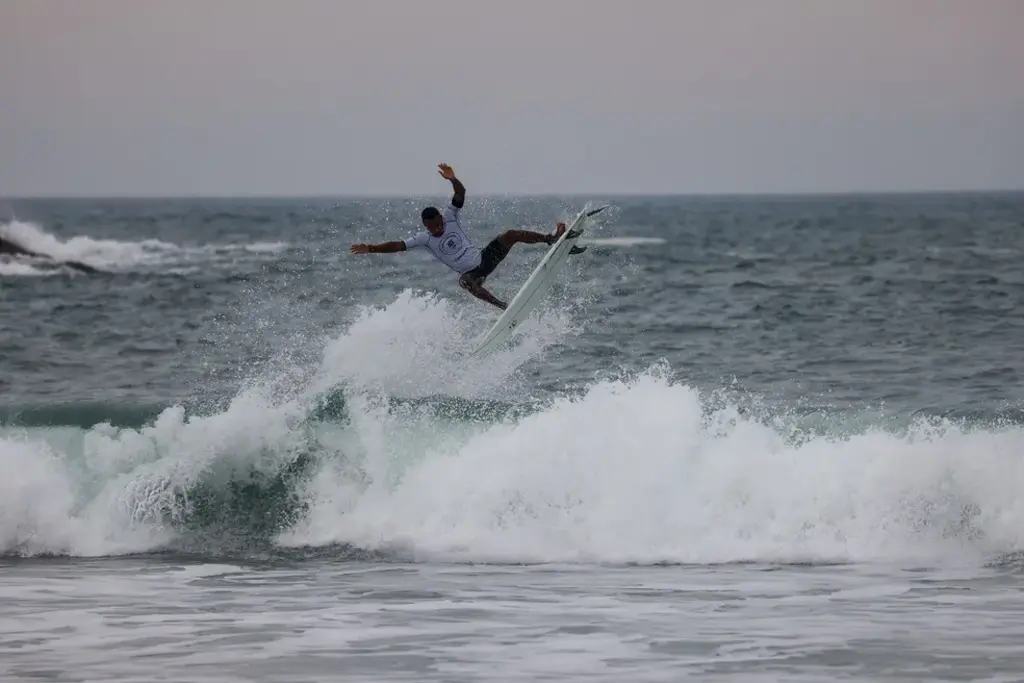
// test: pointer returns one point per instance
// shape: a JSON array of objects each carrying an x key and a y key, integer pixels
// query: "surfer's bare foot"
[{"x": 558, "y": 233}]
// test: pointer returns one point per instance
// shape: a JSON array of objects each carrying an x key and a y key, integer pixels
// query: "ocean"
[{"x": 745, "y": 438}]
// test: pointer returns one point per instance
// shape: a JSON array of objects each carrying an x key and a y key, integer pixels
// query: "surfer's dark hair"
[{"x": 430, "y": 212}]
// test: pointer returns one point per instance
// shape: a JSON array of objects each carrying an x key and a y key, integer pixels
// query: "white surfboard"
[{"x": 536, "y": 286}]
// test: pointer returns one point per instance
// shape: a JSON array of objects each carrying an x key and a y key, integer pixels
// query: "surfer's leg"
[
  {"x": 512, "y": 237},
  {"x": 470, "y": 283},
  {"x": 493, "y": 254},
  {"x": 473, "y": 280}
]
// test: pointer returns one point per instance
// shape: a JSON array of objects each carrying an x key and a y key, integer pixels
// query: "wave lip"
[{"x": 111, "y": 491}]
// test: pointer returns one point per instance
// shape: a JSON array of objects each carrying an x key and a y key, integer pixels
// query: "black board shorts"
[{"x": 493, "y": 254}]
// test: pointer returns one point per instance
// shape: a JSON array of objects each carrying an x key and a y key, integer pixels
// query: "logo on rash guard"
[{"x": 451, "y": 244}]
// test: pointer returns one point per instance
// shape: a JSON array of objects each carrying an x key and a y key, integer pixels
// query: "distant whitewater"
[{"x": 113, "y": 255}]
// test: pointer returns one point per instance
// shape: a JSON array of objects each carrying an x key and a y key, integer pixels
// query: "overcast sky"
[{"x": 239, "y": 97}]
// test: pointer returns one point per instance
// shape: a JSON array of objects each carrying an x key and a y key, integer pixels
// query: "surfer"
[
  {"x": 448, "y": 242},
  {"x": 14, "y": 249}
]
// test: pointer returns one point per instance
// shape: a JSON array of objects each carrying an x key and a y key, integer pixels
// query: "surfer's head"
[{"x": 432, "y": 219}]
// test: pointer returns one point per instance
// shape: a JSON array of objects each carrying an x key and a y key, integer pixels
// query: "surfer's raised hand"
[
  {"x": 448, "y": 173},
  {"x": 360, "y": 249}
]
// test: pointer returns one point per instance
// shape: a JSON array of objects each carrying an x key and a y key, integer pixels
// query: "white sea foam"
[
  {"x": 116, "y": 255},
  {"x": 632, "y": 471},
  {"x": 640, "y": 469}
]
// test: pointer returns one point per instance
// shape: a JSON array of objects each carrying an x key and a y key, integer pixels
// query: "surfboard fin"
[{"x": 577, "y": 250}]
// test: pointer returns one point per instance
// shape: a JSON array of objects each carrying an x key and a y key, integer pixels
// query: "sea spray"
[{"x": 237, "y": 471}]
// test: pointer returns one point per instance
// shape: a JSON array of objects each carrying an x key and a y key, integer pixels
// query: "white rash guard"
[{"x": 453, "y": 248}]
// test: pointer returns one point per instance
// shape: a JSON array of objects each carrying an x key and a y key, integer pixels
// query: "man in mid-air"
[{"x": 446, "y": 240}]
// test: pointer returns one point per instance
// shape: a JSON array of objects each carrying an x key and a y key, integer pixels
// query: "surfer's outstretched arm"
[
  {"x": 459, "y": 196},
  {"x": 382, "y": 248}
]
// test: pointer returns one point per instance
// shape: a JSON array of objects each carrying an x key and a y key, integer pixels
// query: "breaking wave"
[{"x": 396, "y": 443}]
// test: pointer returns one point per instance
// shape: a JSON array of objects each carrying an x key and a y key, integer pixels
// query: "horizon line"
[{"x": 513, "y": 195}]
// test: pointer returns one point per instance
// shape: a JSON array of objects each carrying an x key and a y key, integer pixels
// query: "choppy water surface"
[{"x": 747, "y": 439}]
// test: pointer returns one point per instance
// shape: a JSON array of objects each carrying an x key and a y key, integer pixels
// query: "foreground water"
[
  {"x": 749, "y": 438},
  {"x": 157, "y": 619}
]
